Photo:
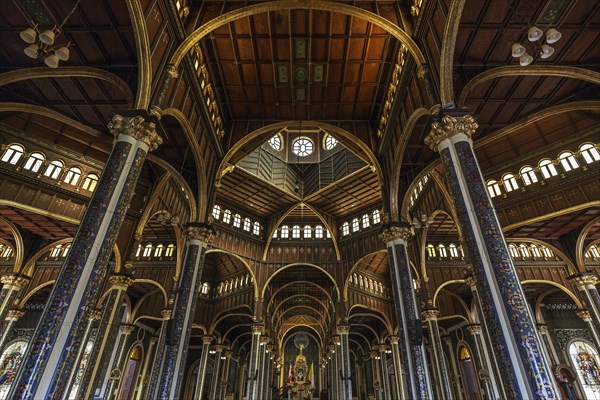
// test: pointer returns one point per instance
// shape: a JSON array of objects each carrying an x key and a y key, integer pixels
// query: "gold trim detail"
[
  {"x": 391, "y": 93},
  {"x": 474, "y": 329},
  {"x": 447, "y": 54},
  {"x": 430, "y": 314},
  {"x": 582, "y": 280},
  {"x": 15, "y": 280},
  {"x": 121, "y": 281},
  {"x": 204, "y": 233},
  {"x": 136, "y": 127},
  {"x": 448, "y": 127},
  {"x": 343, "y": 329},
  {"x": 584, "y": 315},
  {"x": 140, "y": 33},
  {"x": 126, "y": 328},
  {"x": 391, "y": 233},
  {"x": 15, "y": 314}
]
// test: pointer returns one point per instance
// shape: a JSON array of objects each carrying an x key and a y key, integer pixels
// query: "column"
[
  {"x": 253, "y": 364},
  {"x": 93, "y": 316},
  {"x": 515, "y": 341},
  {"x": 241, "y": 382},
  {"x": 11, "y": 287},
  {"x": 374, "y": 357},
  {"x": 225, "y": 375},
  {"x": 335, "y": 376},
  {"x": 216, "y": 380},
  {"x": 399, "y": 389},
  {"x": 396, "y": 237},
  {"x": 322, "y": 385},
  {"x": 206, "y": 340},
  {"x": 158, "y": 355},
  {"x": 455, "y": 375},
  {"x": 112, "y": 382},
  {"x": 144, "y": 376},
  {"x": 11, "y": 319},
  {"x": 386, "y": 393},
  {"x": 586, "y": 286},
  {"x": 483, "y": 372},
  {"x": 586, "y": 316},
  {"x": 343, "y": 331},
  {"x": 438, "y": 362},
  {"x": 103, "y": 352},
  {"x": 261, "y": 367},
  {"x": 268, "y": 376},
  {"x": 179, "y": 327},
  {"x": 49, "y": 359}
]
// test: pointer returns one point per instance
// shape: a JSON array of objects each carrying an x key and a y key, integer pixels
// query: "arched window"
[
  {"x": 548, "y": 169},
  {"x": 10, "y": 361},
  {"x": 274, "y": 234},
  {"x": 216, "y": 211},
  {"x": 159, "y": 250},
  {"x": 376, "y": 217},
  {"x": 430, "y": 250},
  {"x": 547, "y": 252},
  {"x": 319, "y": 232},
  {"x": 442, "y": 250},
  {"x": 589, "y": 152},
  {"x": 307, "y": 231},
  {"x": 528, "y": 175},
  {"x": 535, "y": 251},
  {"x": 247, "y": 224},
  {"x": 493, "y": 188},
  {"x": 524, "y": 250},
  {"x": 296, "y": 232},
  {"x": 329, "y": 142},
  {"x": 237, "y": 220},
  {"x": 205, "y": 288},
  {"x": 366, "y": 222},
  {"x": 276, "y": 142},
  {"x": 568, "y": 161},
  {"x": 256, "y": 229},
  {"x": 147, "y": 250},
  {"x": 72, "y": 176},
  {"x": 56, "y": 251},
  {"x": 585, "y": 361},
  {"x": 13, "y": 154},
  {"x": 169, "y": 250},
  {"x": 139, "y": 250},
  {"x": 34, "y": 162},
  {"x": 510, "y": 182},
  {"x": 65, "y": 250},
  {"x": 593, "y": 252},
  {"x": 285, "y": 232},
  {"x": 355, "y": 225},
  {"x": 54, "y": 169},
  {"x": 453, "y": 250},
  {"x": 81, "y": 369},
  {"x": 345, "y": 229},
  {"x": 90, "y": 182},
  {"x": 512, "y": 249},
  {"x": 226, "y": 216}
]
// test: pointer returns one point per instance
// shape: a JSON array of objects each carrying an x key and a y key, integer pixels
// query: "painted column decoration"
[
  {"x": 50, "y": 358},
  {"x": 333, "y": 368},
  {"x": 93, "y": 316},
  {"x": 343, "y": 331},
  {"x": 483, "y": 372},
  {"x": 456, "y": 382},
  {"x": 144, "y": 375},
  {"x": 516, "y": 343},
  {"x": 206, "y": 340},
  {"x": 103, "y": 352},
  {"x": 438, "y": 362},
  {"x": 586, "y": 316},
  {"x": 386, "y": 392},
  {"x": 113, "y": 381},
  {"x": 586, "y": 286},
  {"x": 11, "y": 319},
  {"x": 179, "y": 327},
  {"x": 396, "y": 237},
  {"x": 374, "y": 356},
  {"x": 253, "y": 365},
  {"x": 225, "y": 375},
  {"x": 11, "y": 287},
  {"x": 399, "y": 389},
  {"x": 216, "y": 377},
  {"x": 547, "y": 340},
  {"x": 160, "y": 351}
]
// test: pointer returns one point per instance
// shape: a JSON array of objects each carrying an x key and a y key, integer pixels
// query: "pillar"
[
  {"x": 225, "y": 375},
  {"x": 104, "y": 348},
  {"x": 93, "y": 317},
  {"x": 11, "y": 287},
  {"x": 241, "y": 381},
  {"x": 343, "y": 331},
  {"x": 268, "y": 374},
  {"x": 438, "y": 361},
  {"x": 206, "y": 340},
  {"x": 335, "y": 376},
  {"x": 260, "y": 384},
  {"x": 374, "y": 355},
  {"x": 455, "y": 375},
  {"x": 216, "y": 380},
  {"x": 12, "y": 316},
  {"x": 399, "y": 389},
  {"x": 386, "y": 392},
  {"x": 179, "y": 327},
  {"x": 49, "y": 359},
  {"x": 396, "y": 237},
  {"x": 144, "y": 376},
  {"x": 482, "y": 367},
  {"x": 586, "y": 316},
  {"x": 586, "y": 287},
  {"x": 515, "y": 341},
  {"x": 253, "y": 365},
  {"x": 112, "y": 382},
  {"x": 158, "y": 355}
]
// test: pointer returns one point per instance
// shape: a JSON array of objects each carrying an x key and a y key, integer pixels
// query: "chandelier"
[
  {"x": 42, "y": 43},
  {"x": 534, "y": 34}
]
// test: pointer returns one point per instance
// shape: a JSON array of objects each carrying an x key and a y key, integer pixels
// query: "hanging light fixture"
[
  {"x": 41, "y": 44},
  {"x": 525, "y": 52}
]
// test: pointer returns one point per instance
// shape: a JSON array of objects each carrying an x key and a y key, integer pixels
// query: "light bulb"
[
  {"x": 546, "y": 51},
  {"x": 28, "y": 35},
  {"x": 31, "y": 51},
  {"x": 525, "y": 59},
  {"x": 534, "y": 33},
  {"x": 47, "y": 37},
  {"x": 553, "y": 36},
  {"x": 518, "y": 50}
]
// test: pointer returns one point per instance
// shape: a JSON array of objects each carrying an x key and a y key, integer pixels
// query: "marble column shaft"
[
  {"x": 586, "y": 287},
  {"x": 201, "y": 379},
  {"x": 108, "y": 330},
  {"x": 158, "y": 355},
  {"x": 335, "y": 375},
  {"x": 11, "y": 319},
  {"x": 171, "y": 379},
  {"x": 143, "y": 378},
  {"x": 586, "y": 316},
  {"x": 458, "y": 390},
  {"x": 112, "y": 382},
  {"x": 414, "y": 361},
  {"x": 343, "y": 331},
  {"x": 374, "y": 357},
  {"x": 216, "y": 377},
  {"x": 49, "y": 358},
  {"x": 516, "y": 343},
  {"x": 225, "y": 375},
  {"x": 438, "y": 362},
  {"x": 386, "y": 390},
  {"x": 396, "y": 358},
  {"x": 93, "y": 317},
  {"x": 11, "y": 288},
  {"x": 261, "y": 368},
  {"x": 253, "y": 364},
  {"x": 483, "y": 373}
]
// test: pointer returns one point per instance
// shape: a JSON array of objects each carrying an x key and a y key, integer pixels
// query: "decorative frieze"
[
  {"x": 390, "y": 232},
  {"x": 448, "y": 127},
  {"x": 202, "y": 232},
  {"x": 136, "y": 127}
]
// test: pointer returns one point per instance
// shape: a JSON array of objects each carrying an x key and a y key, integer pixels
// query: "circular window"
[
  {"x": 329, "y": 142},
  {"x": 302, "y": 147},
  {"x": 276, "y": 143}
]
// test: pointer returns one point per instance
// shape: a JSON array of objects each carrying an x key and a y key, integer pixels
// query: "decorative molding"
[
  {"x": 389, "y": 233},
  {"x": 448, "y": 127},
  {"x": 136, "y": 127},
  {"x": 564, "y": 336}
]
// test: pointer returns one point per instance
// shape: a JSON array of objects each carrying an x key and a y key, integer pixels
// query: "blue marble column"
[
  {"x": 11, "y": 287},
  {"x": 396, "y": 237},
  {"x": 438, "y": 362},
  {"x": 216, "y": 377},
  {"x": 515, "y": 340},
  {"x": 374, "y": 357},
  {"x": 386, "y": 391},
  {"x": 206, "y": 341},
  {"x": 260, "y": 387},
  {"x": 253, "y": 364},
  {"x": 113, "y": 381},
  {"x": 483, "y": 369},
  {"x": 399, "y": 389},
  {"x": 11, "y": 319},
  {"x": 158, "y": 355},
  {"x": 586, "y": 287},
  {"x": 50, "y": 357},
  {"x": 171, "y": 379},
  {"x": 343, "y": 331}
]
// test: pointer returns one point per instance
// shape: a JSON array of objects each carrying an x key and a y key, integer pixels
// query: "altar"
[{"x": 300, "y": 385}]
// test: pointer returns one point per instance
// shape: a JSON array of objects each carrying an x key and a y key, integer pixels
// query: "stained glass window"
[
  {"x": 9, "y": 364},
  {"x": 585, "y": 360},
  {"x": 81, "y": 370}
]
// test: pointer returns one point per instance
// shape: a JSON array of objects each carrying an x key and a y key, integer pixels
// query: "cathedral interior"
[{"x": 296, "y": 199}]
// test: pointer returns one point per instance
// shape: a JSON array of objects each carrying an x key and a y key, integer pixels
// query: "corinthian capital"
[
  {"x": 136, "y": 127},
  {"x": 585, "y": 279},
  {"x": 202, "y": 232},
  {"x": 391, "y": 232},
  {"x": 14, "y": 280},
  {"x": 448, "y": 127}
]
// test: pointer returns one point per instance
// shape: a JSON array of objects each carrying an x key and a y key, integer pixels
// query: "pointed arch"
[
  {"x": 283, "y": 268},
  {"x": 19, "y": 245},
  {"x": 248, "y": 268}
]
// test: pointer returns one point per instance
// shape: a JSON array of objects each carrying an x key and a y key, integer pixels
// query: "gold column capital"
[
  {"x": 127, "y": 328},
  {"x": 172, "y": 71},
  {"x": 343, "y": 329},
  {"x": 474, "y": 329},
  {"x": 584, "y": 315},
  {"x": 391, "y": 232},
  {"x": 394, "y": 339},
  {"x": 207, "y": 339},
  {"x": 166, "y": 313},
  {"x": 542, "y": 328},
  {"x": 449, "y": 126},
  {"x": 584, "y": 279},
  {"x": 257, "y": 329},
  {"x": 14, "y": 314},
  {"x": 121, "y": 281},
  {"x": 202, "y": 232},
  {"x": 16, "y": 280},
  {"x": 137, "y": 127},
  {"x": 95, "y": 314},
  {"x": 431, "y": 314}
]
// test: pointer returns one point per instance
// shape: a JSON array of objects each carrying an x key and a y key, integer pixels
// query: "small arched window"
[
  {"x": 56, "y": 251},
  {"x": 568, "y": 161},
  {"x": 274, "y": 234},
  {"x": 34, "y": 162},
  {"x": 328, "y": 234},
  {"x": 512, "y": 249},
  {"x": 307, "y": 231},
  {"x": 216, "y": 212},
  {"x": 535, "y": 251},
  {"x": 376, "y": 217},
  {"x": 247, "y": 224},
  {"x": 366, "y": 222},
  {"x": 139, "y": 250},
  {"x": 548, "y": 169},
  {"x": 589, "y": 152},
  {"x": 72, "y": 176},
  {"x": 355, "y": 225},
  {"x": 442, "y": 250},
  {"x": 493, "y": 188},
  {"x": 319, "y": 232},
  {"x": 547, "y": 252},
  {"x": 256, "y": 229},
  {"x": 237, "y": 220},
  {"x": 205, "y": 288},
  {"x": 90, "y": 182},
  {"x": 66, "y": 250},
  {"x": 226, "y": 216},
  {"x": 345, "y": 229},
  {"x": 453, "y": 250},
  {"x": 285, "y": 232},
  {"x": 169, "y": 250},
  {"x": 54, "y": 169},
  {"x": 430, "y": 250},
  {"x": 147, "y": 250},
  {"x": 13, "y": 154},
  {"x": 510, "y": 182},
  {"x": 296, "y": 232},
  {"x": 159, "y": 250},
  {"x": 528, "y": 175},
  {"x": 524, "y": 250}
]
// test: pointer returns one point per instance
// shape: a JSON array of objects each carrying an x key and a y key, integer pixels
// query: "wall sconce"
[
  {"x": 424, "y": 222},
  {"x": 534, "y": 34}
]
